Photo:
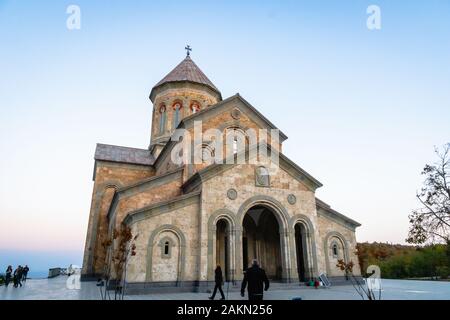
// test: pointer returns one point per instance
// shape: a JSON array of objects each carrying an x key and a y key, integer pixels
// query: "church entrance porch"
[
  {"x": 261, "y": 241},
  {"x": 301, "y": 252}
]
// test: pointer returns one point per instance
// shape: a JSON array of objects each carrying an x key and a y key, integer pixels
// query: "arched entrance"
[
  {"x": 223, "y": 247},
  {"x": 301, "y": 247},
  {"x": 261, "y": 240}
]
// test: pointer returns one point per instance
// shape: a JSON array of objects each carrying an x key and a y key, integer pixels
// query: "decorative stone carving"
[
  {"x": 292, "y": 199},
  {"x": 232, "y": 194},
  {"x": 236, "y": 113},
  {"x": 262, "y": 177}
]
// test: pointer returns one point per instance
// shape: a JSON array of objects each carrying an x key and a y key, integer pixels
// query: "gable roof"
[
  {"x": 120, "y": 154},
  {"x": 186, "y": 71},
  {"x": 285, "y": 163},
  {"x": 214, "y": 108},
  {"x": 238, "y": 97}
]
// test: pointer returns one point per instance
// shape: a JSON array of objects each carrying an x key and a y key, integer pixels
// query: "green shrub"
[{"x": 443, "y": 272}]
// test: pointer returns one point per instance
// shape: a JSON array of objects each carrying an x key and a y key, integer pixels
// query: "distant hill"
[{"x": 398, "y": 261}]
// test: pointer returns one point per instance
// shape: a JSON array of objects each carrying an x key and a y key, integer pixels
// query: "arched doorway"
[
  {"x": 223, "y": 247},
  {"x": 301, "y": 247},
  {"x": 261, "y": 241}
]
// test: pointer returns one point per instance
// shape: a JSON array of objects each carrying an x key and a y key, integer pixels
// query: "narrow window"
[
  {"x": 176, "y": 115},
  {"x": 235, "y": 146},
  {"x": 166, "y": 248},
  {"x": 162, "y": 120},
  {"x": 335, "y": 250},
  {"x": 195, "y": 108}
]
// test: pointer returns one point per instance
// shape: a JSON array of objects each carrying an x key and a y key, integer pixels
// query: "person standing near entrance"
[
  {"x": 256, "y": 278},
  {"x": 218, "y": 277}
]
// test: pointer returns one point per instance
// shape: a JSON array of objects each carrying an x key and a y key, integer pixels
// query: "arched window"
[
  {"x": 176, "y": 114},
  {"x": 162, "y": 119},
  {"x": 238, "y": 137},
  {"x": 207, "y": 154},
  {"x": 235, "y": 145},
  {"x": 195, "y": 107}
]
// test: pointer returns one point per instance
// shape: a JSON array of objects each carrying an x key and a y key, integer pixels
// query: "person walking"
[
  {"x": 25, "y": 273},
  {"x": 8, "y": 276},
  {"x": 18, "y": 277},
  {"x": 218, "y": 277},
  {"x": 257, "y": 281}
]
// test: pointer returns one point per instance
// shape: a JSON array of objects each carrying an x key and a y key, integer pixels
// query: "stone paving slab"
[{"x": 56, "y": 289}]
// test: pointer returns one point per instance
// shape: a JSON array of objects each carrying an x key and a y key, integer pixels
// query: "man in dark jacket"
[
  {"x": 219, "y": 281},
  {"x": 25, "y": 273},
  {"x": 256, "y": 278}
]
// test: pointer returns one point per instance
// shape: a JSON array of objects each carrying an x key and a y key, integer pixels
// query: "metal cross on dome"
[{"x": 188, "y": 50}]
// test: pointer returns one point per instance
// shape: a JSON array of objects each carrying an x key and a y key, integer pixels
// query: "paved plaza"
[{"x": 56, "y": 289}]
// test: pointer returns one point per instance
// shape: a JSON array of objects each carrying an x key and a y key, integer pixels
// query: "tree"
[
  {"x": 431, "y": 223},
  {"x": 120, "y": 246}
]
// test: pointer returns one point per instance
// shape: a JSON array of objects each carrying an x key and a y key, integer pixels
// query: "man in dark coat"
[
  {"x": 219, "y": 281},
  {"x": 25, "y": 273},
  {"x": 256, "y": 278}
]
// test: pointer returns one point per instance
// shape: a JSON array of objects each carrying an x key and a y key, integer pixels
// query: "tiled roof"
[
  {"x": 123, "y": 154},
  {"x": 187, "y": 70}
]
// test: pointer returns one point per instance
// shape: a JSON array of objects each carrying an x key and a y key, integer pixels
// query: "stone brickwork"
[
  {"x": 181, "y": 225},
  {"x": 344, "y": 237},
  {"x": 108, "y": 177},
  {"x": 144, "y": 196}
]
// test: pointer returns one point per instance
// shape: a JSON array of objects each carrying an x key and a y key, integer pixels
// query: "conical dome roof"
[{"x": 186, "y": 71}]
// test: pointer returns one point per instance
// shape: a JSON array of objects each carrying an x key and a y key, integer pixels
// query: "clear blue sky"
[{"x": 363, "y": 109}]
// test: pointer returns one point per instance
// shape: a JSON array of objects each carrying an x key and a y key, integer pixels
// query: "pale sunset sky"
[{"x": 363, "y": 109}]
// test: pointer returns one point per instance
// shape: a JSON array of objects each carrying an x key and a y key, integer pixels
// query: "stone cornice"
[
  {"x": 325, "y": 210},
  {"x": 142, "y": 185},
  {"x": 285, "y": 163},
  {"x": 162, "y": 207}
]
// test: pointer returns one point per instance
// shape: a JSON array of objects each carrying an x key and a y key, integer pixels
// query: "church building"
[{"x": 186, "y": 216}]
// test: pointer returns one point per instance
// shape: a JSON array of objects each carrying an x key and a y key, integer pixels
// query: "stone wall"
[
  {"x": 332, "y": 232},
  {"x": 108, "y": 177},
  {"x": 146, "y": 196},
  {"x": 180, "y": 225}
]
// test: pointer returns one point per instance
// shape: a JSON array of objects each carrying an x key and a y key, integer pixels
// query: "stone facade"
[{"x": 189, "y": 217}]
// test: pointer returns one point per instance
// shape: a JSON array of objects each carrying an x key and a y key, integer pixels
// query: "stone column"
[
  {"x": 285, "y": 255},
  {"x": 238, "y": 254},
  {"x": 293, "y": 252},
  {"x": 212, "y": 253},
  {"x": 230, "y": 253}
]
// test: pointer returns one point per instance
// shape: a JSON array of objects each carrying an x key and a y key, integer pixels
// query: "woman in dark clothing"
[
  {"x": 8, "y": 275},
  {"x": 219, "y": 281}
]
